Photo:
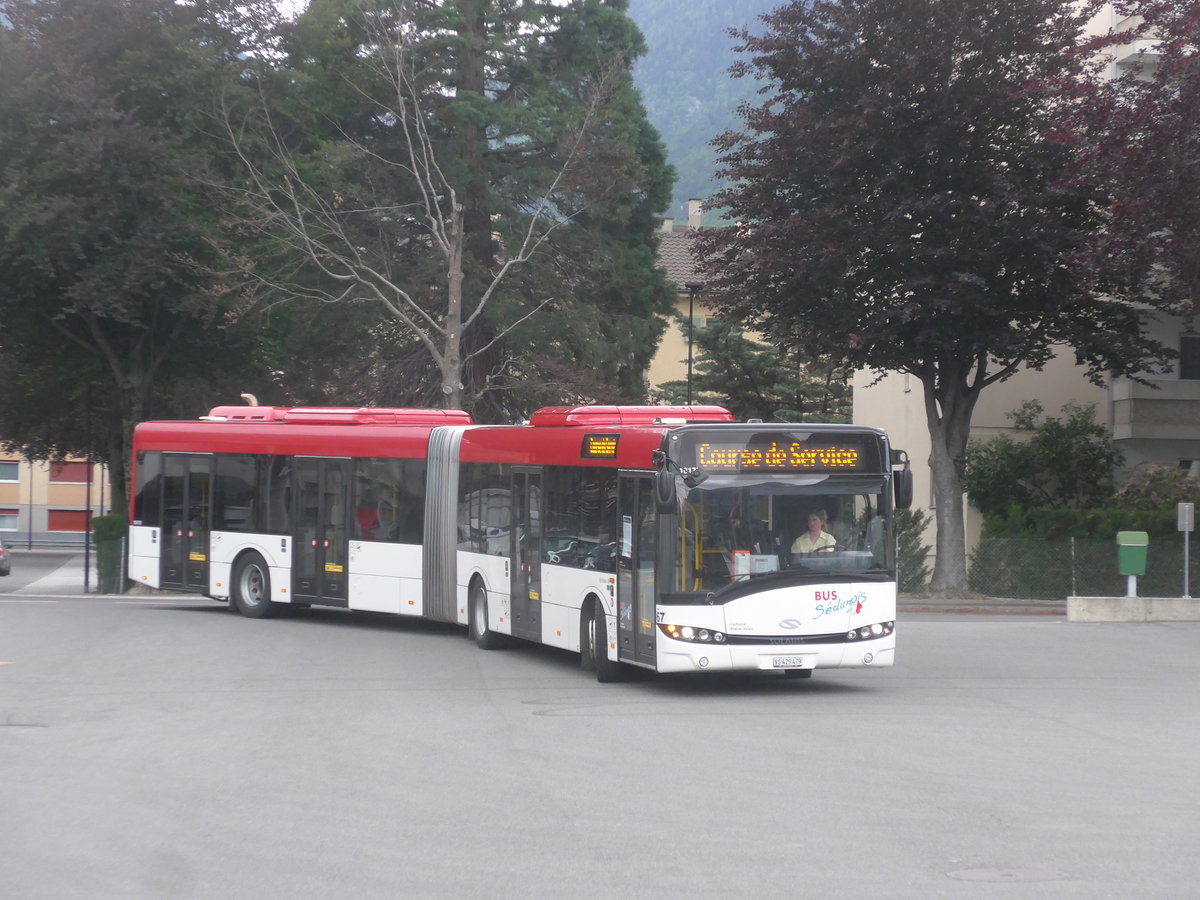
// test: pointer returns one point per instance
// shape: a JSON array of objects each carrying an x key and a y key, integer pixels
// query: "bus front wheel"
[
  {"x": 478, "y": 628},
  {"x": 252, "y": 587},
  {"x": 606, "y": 669},
  {"x": 587, "y": 635}
]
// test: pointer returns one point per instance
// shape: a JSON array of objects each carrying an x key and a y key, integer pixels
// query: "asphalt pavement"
[{"x": 160, "y": 747}]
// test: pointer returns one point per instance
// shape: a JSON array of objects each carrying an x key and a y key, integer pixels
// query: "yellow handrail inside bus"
[{"x": 696, "y": 567}]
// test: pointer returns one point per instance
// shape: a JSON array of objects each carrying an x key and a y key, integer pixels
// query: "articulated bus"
[{"x": 664, "y": 538}]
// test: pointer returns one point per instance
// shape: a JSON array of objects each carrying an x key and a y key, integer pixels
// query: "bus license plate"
[{"x": 788, "y": 662}]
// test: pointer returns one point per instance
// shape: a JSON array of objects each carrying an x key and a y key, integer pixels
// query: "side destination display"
[{"x": 599, "y": 446}]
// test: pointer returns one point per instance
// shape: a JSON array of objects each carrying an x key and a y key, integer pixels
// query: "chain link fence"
[{"x": 1038, "y": 569}]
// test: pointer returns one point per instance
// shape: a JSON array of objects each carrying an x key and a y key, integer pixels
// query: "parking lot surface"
[{"x": 164, "y": 747}]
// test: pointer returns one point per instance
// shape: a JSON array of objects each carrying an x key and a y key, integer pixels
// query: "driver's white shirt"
[{"x": 806, "y": 544}]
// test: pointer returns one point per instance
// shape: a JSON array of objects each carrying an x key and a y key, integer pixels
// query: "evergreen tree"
[
  {"x": 758, "y": 381},
  {"x": 106, "y": 237}
]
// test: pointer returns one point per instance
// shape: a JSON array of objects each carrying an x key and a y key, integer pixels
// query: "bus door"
[
  {"x": 185, "y": 521},
  {"x": 526, "y": 554},
  {"x": 321, "y": 534},
  {"x": 635, "y": 569}
]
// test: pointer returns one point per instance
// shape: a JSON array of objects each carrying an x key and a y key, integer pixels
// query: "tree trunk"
[
  {"x": 948, "y": 412},
  {"x": 477, "y": 218},
  {"x": 471, "y": 253},
  {"x": 451, "y": 362}
]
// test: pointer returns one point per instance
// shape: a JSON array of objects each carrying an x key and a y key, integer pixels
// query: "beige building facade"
[
  {"x": 48, "y": 504},
  {"x": 670, "y": 362},
  {"x": 896, "y": 403}
]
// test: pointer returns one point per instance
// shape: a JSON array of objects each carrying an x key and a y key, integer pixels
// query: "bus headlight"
[
  {"x": 692, "y": 634},
  {"x": 878, "y": 629}
]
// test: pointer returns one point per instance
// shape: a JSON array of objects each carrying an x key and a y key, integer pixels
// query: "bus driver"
[{"x": 816, "y": 539}]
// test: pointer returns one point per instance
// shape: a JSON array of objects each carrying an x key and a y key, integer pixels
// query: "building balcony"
[
  {"x": 1164, "y": 409},
  {"x": 1144, "y": 51}
]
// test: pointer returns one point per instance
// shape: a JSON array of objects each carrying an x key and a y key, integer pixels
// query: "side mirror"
[
  {"x": 664, "y": 491},
  {"x": 902, "y": 486}
]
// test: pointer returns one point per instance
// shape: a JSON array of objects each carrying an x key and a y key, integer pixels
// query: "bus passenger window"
[
  {"x": 235, "y": 482},
  {"x": 147, "y": 501}
]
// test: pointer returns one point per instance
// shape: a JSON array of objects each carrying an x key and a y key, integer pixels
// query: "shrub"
[
  {"x": 1157, "y": 487},
  {"x": 1065, "y": 462},
  {"x": 109, "y": 528},
  {"x": 911, "y": 555},
  {"x": 107, "y": 534}
]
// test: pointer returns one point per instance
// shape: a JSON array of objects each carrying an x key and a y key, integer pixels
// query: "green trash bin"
[{"x": 1132, "y": 547}]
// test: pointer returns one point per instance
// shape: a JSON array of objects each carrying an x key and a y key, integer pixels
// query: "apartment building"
[{"x": 48, "y": 504}]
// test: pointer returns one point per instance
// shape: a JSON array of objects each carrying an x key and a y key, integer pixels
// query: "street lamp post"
[{"x": 693, "y": 288}]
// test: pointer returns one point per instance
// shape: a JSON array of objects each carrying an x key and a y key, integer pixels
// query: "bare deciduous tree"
[{"x": 324, "y": 231}]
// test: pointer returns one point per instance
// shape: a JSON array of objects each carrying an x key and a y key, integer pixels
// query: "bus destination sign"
[
  {"x": 779, "y": 455},
  {"x": 599, "y": 446}
]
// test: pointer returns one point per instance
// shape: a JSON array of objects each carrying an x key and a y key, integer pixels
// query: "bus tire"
[
  {"x": 607, "y": 671},
  {"x": 252, "y": 587},
  {"x": 477, "y": 619},
  {"x": 587, "y": 646}
]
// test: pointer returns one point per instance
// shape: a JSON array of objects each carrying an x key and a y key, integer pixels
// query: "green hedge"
[
  {"x": 1057, "y": 568},
  {"x": 109, "y": 534},
  {"x": 1055, "y": 524},
  {"x": 1054, "y": 553}
]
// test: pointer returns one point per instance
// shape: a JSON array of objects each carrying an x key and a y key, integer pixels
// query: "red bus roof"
[
  {"x": 299, "y": 439},
  {"x": 610, "y": 446},
  {"x": 607, "y": 436},
  {"x": 338, "y": 415},
  {"x": 595, "y": 416}
]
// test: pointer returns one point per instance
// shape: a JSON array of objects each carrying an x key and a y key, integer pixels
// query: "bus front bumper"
[{"x": 682, "y": 656}]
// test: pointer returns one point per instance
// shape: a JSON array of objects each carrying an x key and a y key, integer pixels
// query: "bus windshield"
[{"x": 734, "y": 529}]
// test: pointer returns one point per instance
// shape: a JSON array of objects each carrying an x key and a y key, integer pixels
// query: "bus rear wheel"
[
  {"x": 606, "y": 670},
  {"x": 252, "y": 587},
  {"x": 477, "y": 618}
]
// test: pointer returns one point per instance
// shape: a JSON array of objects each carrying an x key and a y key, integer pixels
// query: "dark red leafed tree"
[
  {"x": 903, "y": 201},
  {"x": 1139, "y": 136}
]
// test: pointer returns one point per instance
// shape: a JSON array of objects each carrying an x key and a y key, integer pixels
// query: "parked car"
[{"x": 5, "y": 559}]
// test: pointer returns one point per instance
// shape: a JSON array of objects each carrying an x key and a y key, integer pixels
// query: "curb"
[{"x": 985, "y": 610}]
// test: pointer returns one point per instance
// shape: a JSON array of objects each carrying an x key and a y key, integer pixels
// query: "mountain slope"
[{"x": 685, "y": 82}]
